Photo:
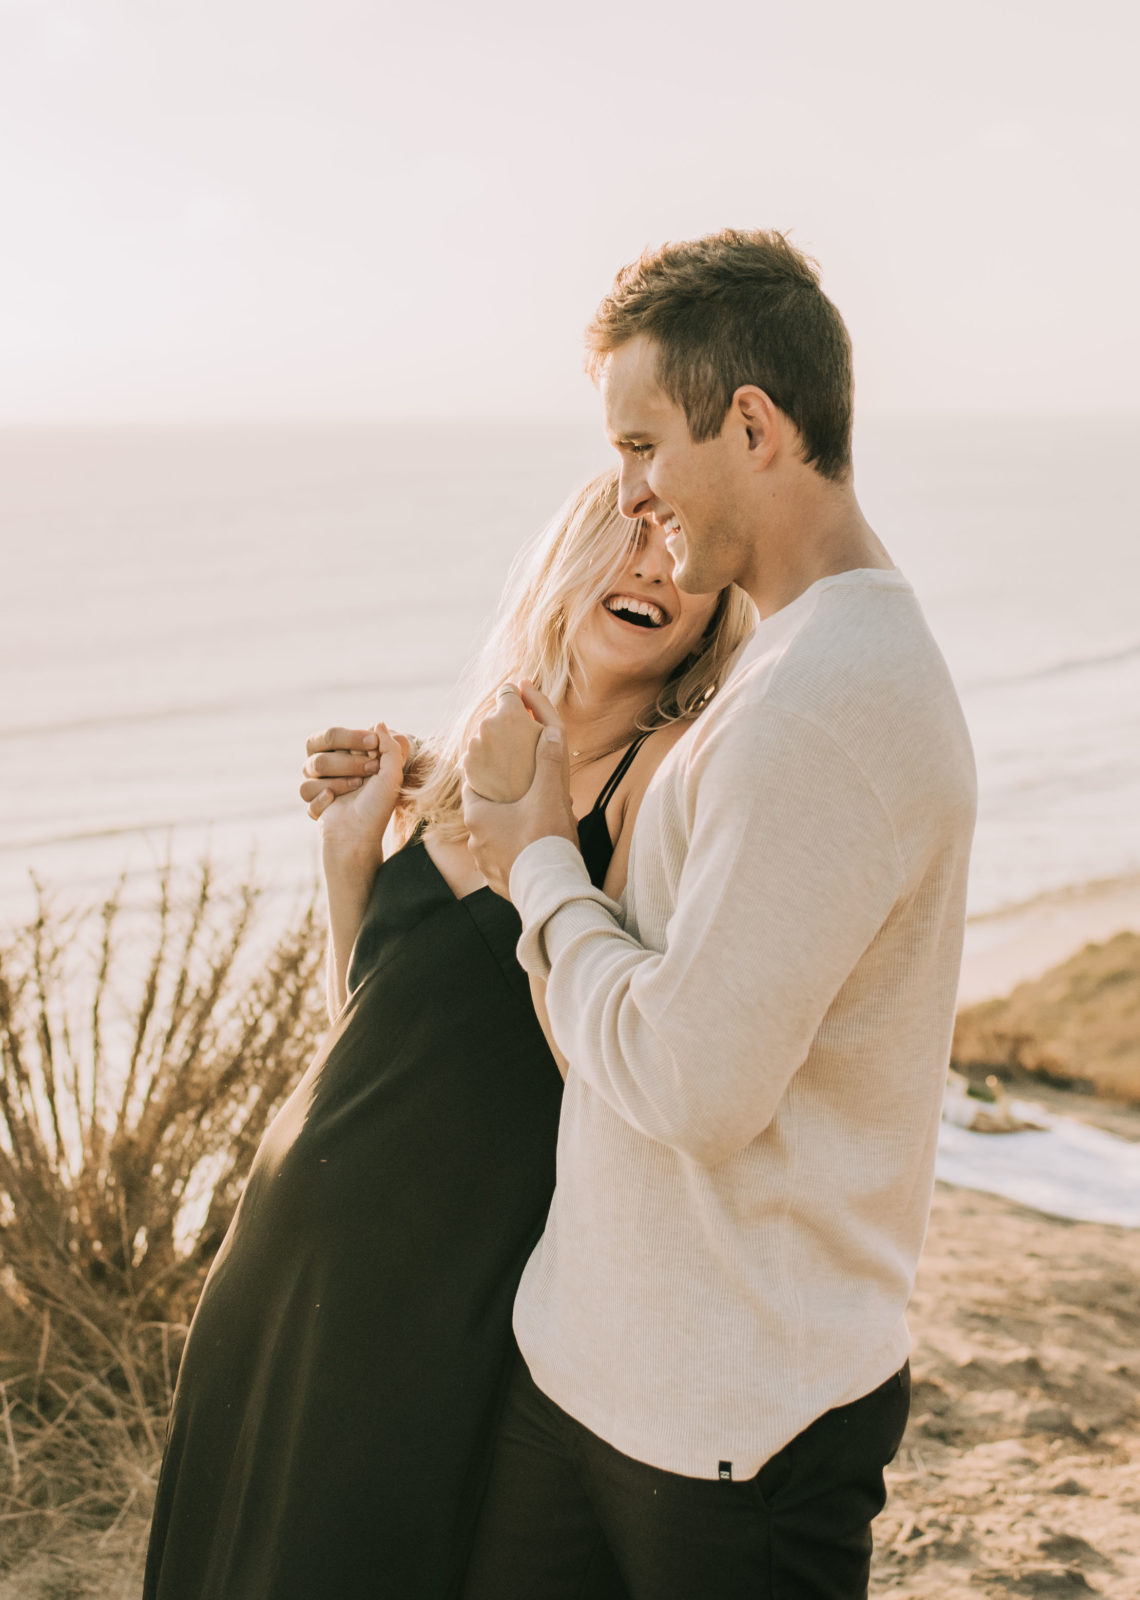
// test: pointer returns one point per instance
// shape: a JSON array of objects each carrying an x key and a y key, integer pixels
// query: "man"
[{"x": 712, "y": 1328}]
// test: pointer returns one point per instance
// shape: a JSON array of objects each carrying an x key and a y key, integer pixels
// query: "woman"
[{"x": 342, "y": 1376}]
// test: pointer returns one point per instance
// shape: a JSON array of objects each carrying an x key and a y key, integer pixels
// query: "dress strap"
[{"x": 618, "y": 774}]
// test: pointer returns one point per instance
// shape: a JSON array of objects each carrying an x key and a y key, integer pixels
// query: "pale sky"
[{"x": 217, "y": 209}]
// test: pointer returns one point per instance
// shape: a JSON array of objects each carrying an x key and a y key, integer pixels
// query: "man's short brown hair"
[{"x": 735, "y": 308}]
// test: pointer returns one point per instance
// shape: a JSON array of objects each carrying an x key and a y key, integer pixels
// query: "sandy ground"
[
  {"x": 1020, "y": 1471},
  {"x": 1007, "y": 948}
]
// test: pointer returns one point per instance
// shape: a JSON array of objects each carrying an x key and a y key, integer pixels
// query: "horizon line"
[{"x": 500, "y": 419}]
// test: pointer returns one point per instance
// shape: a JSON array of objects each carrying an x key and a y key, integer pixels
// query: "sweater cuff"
[{"x": 548, "y": 875}]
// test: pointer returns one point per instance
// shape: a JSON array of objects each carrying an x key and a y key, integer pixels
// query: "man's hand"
[
  {"x": 498, "y": 763},
  {"x": 501, "y": 830}
]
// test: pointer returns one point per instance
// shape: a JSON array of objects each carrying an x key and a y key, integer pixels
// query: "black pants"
[{"x": 568, "y": 1517}]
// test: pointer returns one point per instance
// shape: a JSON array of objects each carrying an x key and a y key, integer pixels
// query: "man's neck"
[{"x": 819, "y": 532}]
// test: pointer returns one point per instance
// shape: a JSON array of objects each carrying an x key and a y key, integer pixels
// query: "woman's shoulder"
[
  {"x": 663, "y": 739},
  {"x": 659, "y": 743},
  {"x": 654, "y": 750}
]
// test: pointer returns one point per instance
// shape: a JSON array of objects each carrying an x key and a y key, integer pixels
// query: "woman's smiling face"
[{"x": 645, "y": 626}]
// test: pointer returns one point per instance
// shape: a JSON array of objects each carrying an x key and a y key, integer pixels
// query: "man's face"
[{"x": 690, "y": 490}]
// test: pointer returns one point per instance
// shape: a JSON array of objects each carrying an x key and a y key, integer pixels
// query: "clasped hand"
[
  {"x": 352, "y": 782},
  {"x": 516, "y": 782}
]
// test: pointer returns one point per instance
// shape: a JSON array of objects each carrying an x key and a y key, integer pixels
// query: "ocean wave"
[
  {"x": 1054, "y": 669},
  {"x": 238, "y": 705},
  {"x": 1058, "y": 897}
]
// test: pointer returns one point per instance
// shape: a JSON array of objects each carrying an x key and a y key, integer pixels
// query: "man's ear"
[{"x": 761, "y": 422}]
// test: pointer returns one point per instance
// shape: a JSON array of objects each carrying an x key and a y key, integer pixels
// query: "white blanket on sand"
[{"x": 1067, "y": 1170}]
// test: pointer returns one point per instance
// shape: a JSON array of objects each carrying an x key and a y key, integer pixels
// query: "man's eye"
[{"x": 641, "y": 449}]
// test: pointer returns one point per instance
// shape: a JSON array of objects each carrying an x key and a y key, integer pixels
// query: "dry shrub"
[{"x": 142, "y": 1058}]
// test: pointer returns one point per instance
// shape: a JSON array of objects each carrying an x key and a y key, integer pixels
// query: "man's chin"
[
  {"x": 675, "y": 544},
  {"x": 686, "y": 577},
  {"x": 689, "y": 573}
]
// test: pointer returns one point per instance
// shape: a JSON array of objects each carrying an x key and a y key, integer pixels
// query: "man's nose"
[{"x": 634, "y": 498}]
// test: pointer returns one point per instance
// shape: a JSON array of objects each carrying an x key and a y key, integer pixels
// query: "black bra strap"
[{"x": 618, "y": 774}]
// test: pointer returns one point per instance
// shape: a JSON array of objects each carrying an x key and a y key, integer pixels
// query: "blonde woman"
[{"x": 345, "y": 1368}]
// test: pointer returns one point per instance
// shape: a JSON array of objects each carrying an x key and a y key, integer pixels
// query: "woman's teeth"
[{"x": 643, "y": 613}]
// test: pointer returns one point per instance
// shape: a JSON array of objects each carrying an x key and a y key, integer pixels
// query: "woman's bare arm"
[
  {"x": 348, "y": 889},
  {"x": 351, "y": 789}
]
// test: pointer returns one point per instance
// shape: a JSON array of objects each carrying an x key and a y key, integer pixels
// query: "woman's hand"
[
  {"x": 499, "y": 761},
  {"x": 337, "y": 761},
  {"x": 352, "y": 781}
]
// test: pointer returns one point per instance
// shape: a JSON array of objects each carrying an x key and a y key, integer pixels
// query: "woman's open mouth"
[{"x": 637, "y": 612}]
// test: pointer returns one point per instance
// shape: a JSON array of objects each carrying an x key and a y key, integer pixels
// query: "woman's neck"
[{"x": 601, "y": 719}]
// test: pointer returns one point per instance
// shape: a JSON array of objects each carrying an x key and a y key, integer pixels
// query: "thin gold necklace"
[{"x": 597, "y": 755}]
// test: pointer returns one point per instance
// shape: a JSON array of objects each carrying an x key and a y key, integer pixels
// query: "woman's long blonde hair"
[{"x": 554, "y": 584}]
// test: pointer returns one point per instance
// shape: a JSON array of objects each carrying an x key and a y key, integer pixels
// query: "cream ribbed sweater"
[{"x": 758, "y": 1041}]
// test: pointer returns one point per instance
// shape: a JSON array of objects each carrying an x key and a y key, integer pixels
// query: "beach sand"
[
  {"x": 1020, "y": 1470},
  {"x": 1005, "y": 948}
]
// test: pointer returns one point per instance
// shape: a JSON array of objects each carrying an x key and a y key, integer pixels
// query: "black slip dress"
[{"x": 339, "y": 1389}]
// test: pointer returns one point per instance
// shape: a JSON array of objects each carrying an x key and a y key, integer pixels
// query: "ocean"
[{"x": 181, "y": 607}]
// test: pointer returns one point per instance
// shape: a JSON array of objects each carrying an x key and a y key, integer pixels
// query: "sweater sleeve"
[{"x": 789, "y": 869}]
